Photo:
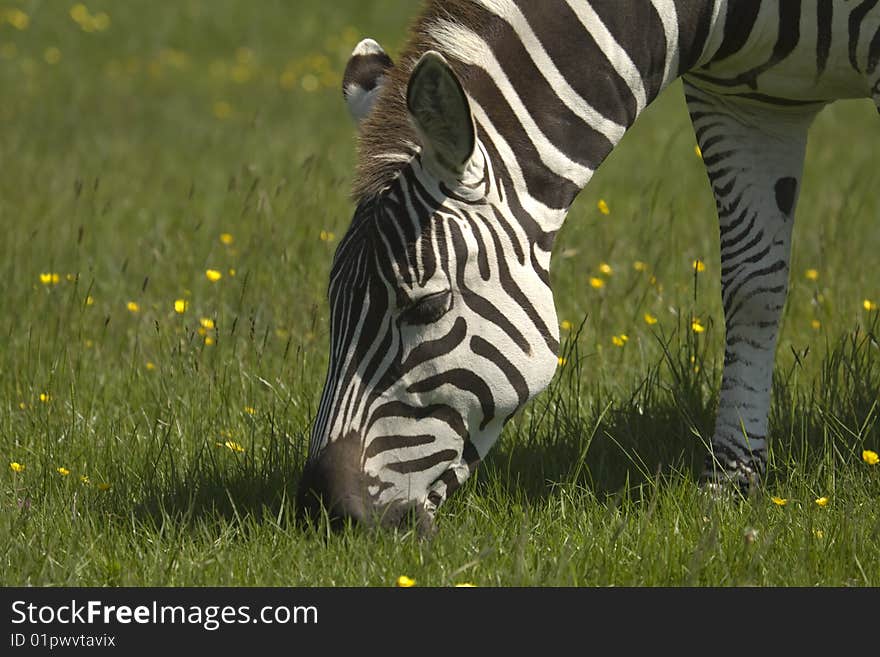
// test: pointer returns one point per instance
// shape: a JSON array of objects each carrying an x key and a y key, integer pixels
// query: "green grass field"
[{"x": 146, "y": 144}]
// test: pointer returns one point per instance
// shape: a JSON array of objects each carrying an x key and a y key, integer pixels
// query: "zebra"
[{"x": 471, "y": 150}]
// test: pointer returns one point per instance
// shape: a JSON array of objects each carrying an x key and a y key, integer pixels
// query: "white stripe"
[
  {"x": 550, "y": 219},
  {"x": 669, "y": 18},
  {"x": 507, "y": 10},
  {"x": 614, "y": 52}
]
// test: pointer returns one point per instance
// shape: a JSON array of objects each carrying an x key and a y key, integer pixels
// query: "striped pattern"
[{"x": 442, "y": 316}]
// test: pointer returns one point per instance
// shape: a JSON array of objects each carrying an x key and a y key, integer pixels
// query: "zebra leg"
[{"x": 754, "y": 156}]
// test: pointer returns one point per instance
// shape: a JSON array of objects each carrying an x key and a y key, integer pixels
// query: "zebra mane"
[{"x": 387, "y": 138}]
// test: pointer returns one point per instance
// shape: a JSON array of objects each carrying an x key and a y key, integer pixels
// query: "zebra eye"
[{"x": 427, "y": 309}]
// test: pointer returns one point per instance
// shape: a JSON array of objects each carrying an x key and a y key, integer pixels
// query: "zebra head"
[{"x": 442, "y": 322}]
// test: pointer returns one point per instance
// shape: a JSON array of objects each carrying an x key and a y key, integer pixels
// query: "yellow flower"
[
  {"x": 565, "y": 325},
  {"x": 869, "y": 305},
  {"x": 250, "y": 410},
  {"x": 90, "y": 300},
  {"x": 597, "y": 283},
  {"x": 104, "y": 487},
  {"x": 16, "y": 18},
  {"x": 213, "y": 275},
  {"x": 699, "y": 265},
  {"x": 150, "y": 365},
  {"x": 562, "y": 360},
  {"x": 812, "y": 274},
  {"x": 15, "y": 466},
  {"x": 779, "y": 501},
  {"x": 209, "y": 341},
  {"x": 698, "y": 152},
  {"x": 696, "y": 327},
  {"x": 605, "y": 268},
  {"x": 405, "y": 582},
  {"x": 822, "y": 501},
  {"x": 50, "y": 278},
  {"x": 327, "y": 236},
  {"x": 818, "y": 533},
  {"x": 465, "y": 585},
  {"x": 180, "y": 306},
  {"x": 86, "y": 21},
  {"x": 133, "y": 307},
  {"x": 85, "y": 480},
  {"x": 816, "y": 324},
  {"x": 232, "y": 272},
  {"x": 231, "y": 445},
  {"x": 207, "y": 323},
  {"x": 62, "y": 471},
  {"x": 222, "y": 110},
  {"x": 79, "y": 12},
  {"x": 619, "y": 340},
  {"x": 52, "y": 55},
  {"x": 226, "y": 238},
  {"x": 45, "y": 397},
  {"x": 309, "y": 82},
  {"x": 870, "y": 457},
  {"x": 650, "y": 320},
  {"x": 603, "y": 206},
  {"x": 638, "y": 265}
]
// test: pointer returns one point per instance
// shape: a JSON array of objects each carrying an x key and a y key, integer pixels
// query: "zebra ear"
[
  {"x": 365, "y": 74},
  {"x": 440, "y": 110}
]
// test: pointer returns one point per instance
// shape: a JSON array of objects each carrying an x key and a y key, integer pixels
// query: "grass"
[{"x": 127, "y": 152}]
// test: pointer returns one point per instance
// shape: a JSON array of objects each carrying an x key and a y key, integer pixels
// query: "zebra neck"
[{"x": 555, "y": 84}]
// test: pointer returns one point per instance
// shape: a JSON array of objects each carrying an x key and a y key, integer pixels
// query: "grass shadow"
[{"x": 211, "y": 487}]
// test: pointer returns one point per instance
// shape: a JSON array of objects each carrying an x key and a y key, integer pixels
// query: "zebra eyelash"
[{"x": 427, "y": 309}]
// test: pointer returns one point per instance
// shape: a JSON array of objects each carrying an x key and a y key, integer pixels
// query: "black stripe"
[
  {"x": 874, "y": 53},
  {"x": 542, "y": 183},
  {"x": 531, "y": 227},
  {"x": 710, "y": 160},
  {"x": 731, "y": 295},
  {"x": 563, "y": 128},
  {"x": 731, "y": 314},
  {"x": 488, "y": 351},
  {"x": 776, "y": 100},
  {"x": 725, "y": 244},
  {"x": 386, "y": 443},
  {"x": 482, "y": 255},
  {"x": 521, "y": 299},
  {"x": 463, "y": 380},
  {"x": 608, "y": 92},
  {"x": 738, "y": 25},
  {"x": 481, "y": 306},
  {"x": 855, "y": 27},
  {"x": 637, "y": 27},
  {"x": 824, "y": 18},
  {"x": 439, "y": 412},
  {"x": 788, "y": 35},
  {"x": 424, "y": 463},
  {"x": 695, "y": 21},
  {"x": 727, "y": 257},
  {"x": 435, "y": 348}
]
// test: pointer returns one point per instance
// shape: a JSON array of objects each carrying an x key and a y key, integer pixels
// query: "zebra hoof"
[{"x": 736, "y": 483}]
